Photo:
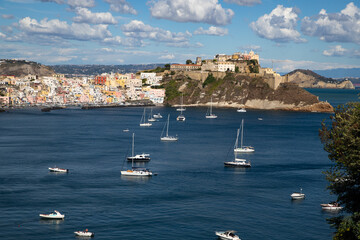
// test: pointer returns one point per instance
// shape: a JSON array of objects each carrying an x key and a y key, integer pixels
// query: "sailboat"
[
  {"x": 136, "y": 171},
  {"x": 151, "y": 117},
  {"x": 209, "y": 114},
  {"x": 181, "y": 108},
  {"x": 143, "y": 122},
  {"x": 181, "y": 117},
  {"x": 167, "y": 137},
  {"x": 242, "y": 149},
  {"x": 144, "y": 157}
]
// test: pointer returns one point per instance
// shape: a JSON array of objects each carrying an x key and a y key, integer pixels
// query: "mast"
[
  {"x": 132, "y": 152},
  {"x": 237, "y": 139},
  {"x": 167, "y": 127},
  {"x": 242, "y": 133},
  {"x": 211, "y": 106}
]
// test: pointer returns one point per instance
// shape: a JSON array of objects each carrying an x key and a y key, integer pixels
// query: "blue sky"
[{"x": 287, "y": 34}]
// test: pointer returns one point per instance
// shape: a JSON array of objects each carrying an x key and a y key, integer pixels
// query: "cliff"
[
  {"x": 309, "y": 79},
  {"x": 239, "y": 90},
  {"x": 20, "y": 68}
]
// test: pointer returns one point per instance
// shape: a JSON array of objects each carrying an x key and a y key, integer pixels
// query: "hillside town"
[{"x": 118, "y": 88}]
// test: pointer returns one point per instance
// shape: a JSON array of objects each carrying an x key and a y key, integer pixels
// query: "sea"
[{"x": 192, "y": 195}]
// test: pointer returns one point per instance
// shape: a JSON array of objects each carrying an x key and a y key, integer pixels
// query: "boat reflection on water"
[
  {"x": 51, "y": 221},
  {"x": 137, "y": 179}
]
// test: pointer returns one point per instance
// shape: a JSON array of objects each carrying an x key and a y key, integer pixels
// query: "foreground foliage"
[{"x": 342, "y": 142}]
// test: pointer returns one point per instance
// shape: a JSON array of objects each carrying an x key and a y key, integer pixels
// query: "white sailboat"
[
  {"x": 144, "y": 157},
  {"x": 143, "y": 122},
  {"x": 181, "y": 108},
  {"x": 167, "y": 137},
  {"x": 151, "y": 117},
  {"x": 181, "y": 117},
  {"x": 241, "y": 110},
  {"x": 242, "y": 149},
  {"x": 136, "y": 171},
  {"x": 209, "y": 113}
]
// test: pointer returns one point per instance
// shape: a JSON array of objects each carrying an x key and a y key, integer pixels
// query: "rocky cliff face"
[
  {"x": 236, "y": 90},
  {"x": 309, "y": 79},
  {"x": 20, "y": 68}
]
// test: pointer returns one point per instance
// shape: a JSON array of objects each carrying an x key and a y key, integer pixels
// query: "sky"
[{"x": 287, "y": 34}]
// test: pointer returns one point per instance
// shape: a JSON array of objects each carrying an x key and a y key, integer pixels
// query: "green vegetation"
[
  {"x": 171, "y": 90},
  {"x": 167, "y": 66},
  {"x": 210, "y": 79},
  {"x": 144, "y": 81},
  {"x": 189, "y": 61},
  {"x": 236, "y": 69},
  {"x": 156, "y": 70},
  {"x": 342, "y": 142}
]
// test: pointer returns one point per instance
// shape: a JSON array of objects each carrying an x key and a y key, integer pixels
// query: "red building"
[{"x": 100, "y": 80}]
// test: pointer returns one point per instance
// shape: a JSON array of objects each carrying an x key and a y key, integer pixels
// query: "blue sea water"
[{"x": 192, "y": 196}]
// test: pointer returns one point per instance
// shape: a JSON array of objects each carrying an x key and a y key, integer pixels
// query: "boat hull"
[
  {"x": 211, "y": 116},
  {"x": 169, "y": 139},
  {"x": 145, "y": 124},
  {"x": 61, "y": 170},
  {"x": 297, "y": 196},
  {"x": 136, "y": 173},
  {"x": 330, "y": 207},
  {"x": 244, "y": 150},
  {"x": 84, "y": 234},
  {"x": 180, "y": 118},
  {"x": 136, "y": 159},
  {"x": 235, "y": 164},
  {"x": 226, "y": 236}
]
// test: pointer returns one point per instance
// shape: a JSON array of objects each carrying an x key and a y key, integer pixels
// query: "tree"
[
  {"x": 342, "y": 142},
  {"x": 167, "y": 66},
  {"x": 189, "y": 61}
]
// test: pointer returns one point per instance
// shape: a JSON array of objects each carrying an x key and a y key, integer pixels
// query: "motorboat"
[
  {"x": 238, "y": 163},
  {"x": 85, "y": 233},
  {"x": 167, "y": 138},
  {"x": 297, "y": 195},
  {"x": 210, "y": 114},
  {"x": 157, "y": 116},
  {"x": 126, "y": 130},
  {"x": 242, "y": 110},
  {"x": 143, "y": 122},
  {"x": 242, "y": 149},
  {"x": 137, "y": 171},
  {"x": 53, "y": 215},
  {"x": 56, "y": 169},
  {"x": 260, "y": 119},
  {"x": 227, "y": 235},
  {"x": 144, "y": 157},
  {"x": 332, "y": 206}
]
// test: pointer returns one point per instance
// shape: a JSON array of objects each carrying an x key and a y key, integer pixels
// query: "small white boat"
[
  {"x": 54, "y": 215},
  {"x": 242, "y": 149},
  {"x": 238, "y": 163},
  {"x": 181, "y": 118},
  {"x": 297, "y": 195},
  {"x": 144, "y": 157},
  {"x": 241, "y": 110},
  {"x": 85, "y": 233},
  {"x": 260, "y": 119},
  {"x": 227, "y": 235},
  {"x": 157, "y": 116},
  {"x": 143, "y": 122},
  {"x": 135, "y": 171},
  {"x": 151, "y": 117},
  {"x": 126, "y": 130},
  {"x": 210, "y": 114},
  {"x": 167, "y": 138},
  {"x": 333, "y": 206},
  {"x": 56, "y": 169}
]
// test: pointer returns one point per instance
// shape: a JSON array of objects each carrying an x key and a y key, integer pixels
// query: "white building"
[{"x": 226, "y": 66}]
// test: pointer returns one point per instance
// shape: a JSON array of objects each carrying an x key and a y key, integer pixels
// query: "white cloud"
[
  {"x": 217, "y": 31},
  {"x": 2, "y": 35},
  {"x": 84, "y": 15},
  {"x": 251, "y": 47},
  {"x": 127, "y": 42},
  {"x": 61, "y": 29},
  {"x": 121, "y": 6},
  {"x": 169, "y": 56},
  {"x": 185, "y": 45},
  {"x": 81, "y": 3},
  {"x": 7, "y": 16},
  {"x": 244, "y": 2},
  {"x": 334, "y": 27},
  {"x": 279, "y": 25},
  {"x": 206, "y": 11},
  {"x": 137, "y": 29},
  {"x": 337, "y": 50}
]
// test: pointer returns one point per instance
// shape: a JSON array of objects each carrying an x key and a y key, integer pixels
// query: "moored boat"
[
  {"x": 238, "y": 163},
  {"x": 241, "y": 110},
  {"x": 227, "y": 235},
  {"x": 242, "y": 149},
  {"x": 56, "y": 169},
  {"x": 137, "y": 171},
  {"x": 144, "y": 157},
  {"x": 158, "y": 115},
  {"x": 53, "y": 215},
  {"x": 332, "y": 206},
  {"x": 85, "y": 233},
  {"x": 297, "y": 195},
  {"x": 167, "y": 138}
]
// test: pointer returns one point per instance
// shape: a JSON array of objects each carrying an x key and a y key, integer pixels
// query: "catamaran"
[
  {"x": 143, "y": 122},
  {"x": 136, "y": 171},
  {"x": 144, "y": 157},
  {"x": 167, "y": 137},
  {"x": 209, "y": 113},
  {"x": 242, "y": 149}
]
